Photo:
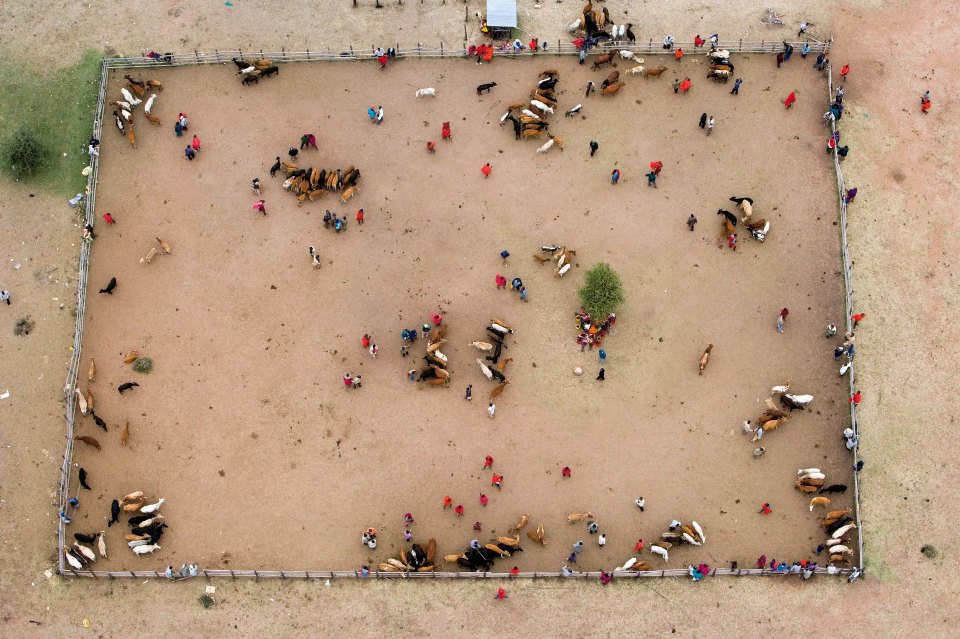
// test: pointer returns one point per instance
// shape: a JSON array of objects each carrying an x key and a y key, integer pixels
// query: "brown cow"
[
  {"x": 648, "y": 72},
  {"x": 613, "y": 88},
  {"x": 605, "y": 58},
  {"x": 613, "y": 77}
]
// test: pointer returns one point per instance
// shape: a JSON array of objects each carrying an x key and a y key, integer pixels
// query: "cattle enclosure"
[{"x": 223, "y": 267}]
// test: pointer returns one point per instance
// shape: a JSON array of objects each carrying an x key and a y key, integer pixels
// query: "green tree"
[
  {"x": 602, "y": 291},
  {"x": 24, "y": 153}
]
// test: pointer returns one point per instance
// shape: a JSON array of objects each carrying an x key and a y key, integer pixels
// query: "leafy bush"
[
  {"x": 143, "y": 365},
  {"x": 602, "y": 291},
  {"x": 24, "y": 153},
  {"x": 207, "y": 601}
]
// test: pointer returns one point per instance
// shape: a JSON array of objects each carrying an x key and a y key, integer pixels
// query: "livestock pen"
[{"x": 218, "y": 57}]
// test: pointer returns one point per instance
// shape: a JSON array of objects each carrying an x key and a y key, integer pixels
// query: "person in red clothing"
[
  {"x": 259, "y": 206},
  {"x": 365, "y": 340},
  {"x": 196, "y": 144},
  {"x": 458, "y": 510},
  {"x": 685, "y": 85},
  {"x": 109, "y": 218},
  {"x": 732, "y": 241},
  {"x": 566, "y": 472},
  {"x": 844, "y": 71},
  {"x": 698, "y": 41},
  {"x": 496, "y": 480},
  {"x": 447, "y": 502},
  {"x": 678, "y": 54},
  {"x": 859, "y": 317},
  {"x": 431, "y": 146},
  {"x": 639, "y": 546},
  {"x": 765, "y": 508},
  {"x": 501, "y": 281},
  {"x": 360, "y": 216},
  {"x": 501, "y": 594},
  {"x": 790, "y": 99},
  {"x": 488, "y": 460},
  {"x": 486, "y": 169},
  {"x": 514, "y": 571},
  {"x": 445, "y": 131},
  {"x": 656, "y": 166},
  {"x": 484, "y": 500},
  {"x": 855, "y": 398}
]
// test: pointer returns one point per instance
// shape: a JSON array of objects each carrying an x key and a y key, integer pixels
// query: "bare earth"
[{"x": 903, "y": 279}]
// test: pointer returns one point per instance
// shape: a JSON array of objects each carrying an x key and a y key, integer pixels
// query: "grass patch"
[
  {"x": 143, "y": 365},
  {"x": 58, "y": 109},
  {"x": 207, "y": 601}
]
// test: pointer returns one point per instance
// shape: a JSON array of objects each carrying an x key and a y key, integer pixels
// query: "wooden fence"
[{"x": 221, "y": 57}]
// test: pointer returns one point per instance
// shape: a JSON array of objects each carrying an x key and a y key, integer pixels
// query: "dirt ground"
[
  {"x": 252, "y": 341},
  {"x": 903, "y": 276}
]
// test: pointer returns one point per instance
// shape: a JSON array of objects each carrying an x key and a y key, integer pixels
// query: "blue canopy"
[{"x": 502, "y": 13}]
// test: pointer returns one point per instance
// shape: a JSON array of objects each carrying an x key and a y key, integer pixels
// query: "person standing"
[
  {"x": 182, "y": 120},
  {"x": 109, "y": 219},
  {"x": 469, "y": 393},
  {"x": 779, "y": 58},
  {"x": 787, "y": 50},
  {"x": 710, "y": 125},
  {"x": 805, "y": 50},
  {"x": 603, "y": 356},
  {"x": 779, "y": 323},
  {"x": 594, "y": 145},
  {"x": 851, "y": 193},
  {"x": 195, "y": 144},
  {"x": 601, "y": 375},
  {"x": 651, "y": 179},
  {"x": 360, "y": 217},
  {"x": 676, "y": 85},
  {"x": 691, "y": 222},
  {"x": 925, "y": 102},
  {"x": 698, "y": 41},
  {"x": 5, "y": 297},
  {"x": 703, "y": 120},
  {"x": 255, "y": 184},
  {"x": 486, "y": 169},
  {"x": 736, "y": 86},
  {"x": 844, "y": 72},
  {"x": 379, "y": 114},
  {"x": 491, "y": 409},
  {"x": 732, "y": 241},
  {"x": 685, "y": 85},
  {"x": 259, "y": 206},
  {"x": 190, "y": 153},
  {"x": 615, "y": 176},
  {"x": 790, "y": 99},
  {"x": 678, "y": 54}
]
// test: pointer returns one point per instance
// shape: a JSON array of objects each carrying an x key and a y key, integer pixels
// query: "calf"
[{"x": 485, "y": 87}]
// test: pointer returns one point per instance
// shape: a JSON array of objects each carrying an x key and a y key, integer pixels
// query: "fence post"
[{"x": 308, "y": 54}]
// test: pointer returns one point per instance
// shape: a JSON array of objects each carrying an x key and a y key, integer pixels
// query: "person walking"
[
  {"x": 678, "y": 54},
  {"x": 189, "y": 152},
  {"x": 925, "y": 102},
  {"x": 851, "y": 193},
  {"x": 765, "y": 509},
  {"x": 594, "y": 145},
  {"x": 710, "y": 125},
  {"x": 651, "y": 179},
  {"x": 779, "y": 323},
  {"x": 703, "y": 120},
  {"x": 468, "y": 395},
  {"x": 676, "y": 85},
  {"x": 601, "y": 375},
  {"x": 491, "y": 409},
  {"x": 803, "y": 28},
  {"x": 487, "y": 462},
  {"x": 831, "y": 330},
  {"x": 736, "y": 87},
  {"x": 805, "y": 50},
  {"x": 844, "y": 72},
  {"x": 109, "y": 219},
  {"x": 685, "y": 85},
  {"x": 779, "y": 58},
  {"x": 486, "y": 169},
  {"x": 360, "y": 217},
  {"x": 603, "y": 356},
  {"x": 501, "y": 281},
  {"x": 857, "y": 318},
  {"x": 698, "y": 41},
  {"x": 259, "y": 206},
  {"x": 790, "y": 99},
  {"x": 195, "y": 144},
  {"x": 5, "y": 297},
  {"x": 691, "y": 222},
  {"x": 255, "y": 185},
  {"x": 787, "y": 50},
  {"x": 732, "y": 241},
  {"x": 615, "y": 176},
  {"x": 379, "y": 114}
]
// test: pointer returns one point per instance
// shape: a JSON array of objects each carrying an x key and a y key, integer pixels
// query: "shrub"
[
  {"x": 929, "y": 551},
  {"x": 602, "y": 291},
  {"x": 24, "y": 326},
  {"x": 24, "y": 153},
  {"x": 207, "y": 601},
  {"x": 143, "y": 364}
]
